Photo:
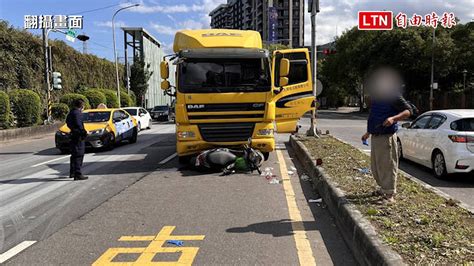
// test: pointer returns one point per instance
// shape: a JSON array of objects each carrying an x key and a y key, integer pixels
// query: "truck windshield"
[{"x": 224, "y": 75}]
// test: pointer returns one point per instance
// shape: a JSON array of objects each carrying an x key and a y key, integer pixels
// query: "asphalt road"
[
  {"x": 349, "y": 126},
  {"x": 140, "y": 194}
]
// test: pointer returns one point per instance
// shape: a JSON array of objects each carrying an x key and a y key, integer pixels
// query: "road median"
[{"x": 420, "y": 228}]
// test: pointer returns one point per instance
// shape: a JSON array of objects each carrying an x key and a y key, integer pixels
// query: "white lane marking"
[
  {"x": 169, "y": 158},
  {"x": 53, "y": 160},
  {"x": 15, "y": 250}
]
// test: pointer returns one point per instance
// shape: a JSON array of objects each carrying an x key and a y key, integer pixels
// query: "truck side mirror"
[
  {"x": 284, "y": 68},
  {"x": 165, "y": 85},
  {"x": 164, "y": 70},
  {"x": 283, "y": 81}
]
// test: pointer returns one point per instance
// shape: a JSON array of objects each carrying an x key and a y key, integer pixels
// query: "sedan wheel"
[
  {"x": 400, "y": 150},
  {"x": 439, "y": 165}
]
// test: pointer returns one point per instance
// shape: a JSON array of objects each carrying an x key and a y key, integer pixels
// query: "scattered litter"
[
  {"x": 365, "y": 142},
  {"x": 178, "y": 243},
  {"x": 355, "y": 177},
  {"x": 315, "y": 200},
  {"x": 319, "y": 161},
  {"x": 364, "y": 170},
  {"x": 292, "y": 168},
  {"x": 304, "y": 177},
  {"x": 274, "y": 181},
  {"x": 290, "y": 172}
]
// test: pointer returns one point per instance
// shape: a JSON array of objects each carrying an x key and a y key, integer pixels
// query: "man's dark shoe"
[{"x": 81, "y": 177}]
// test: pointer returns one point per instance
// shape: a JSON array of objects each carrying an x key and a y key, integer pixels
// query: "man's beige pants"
[{"x": 384, "y": 162}]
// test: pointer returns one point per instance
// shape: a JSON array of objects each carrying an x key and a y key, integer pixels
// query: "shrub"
[
  {"x": 125, "y": 99},
  {"x": 26, "y": 106},
  {"x": 69, "y": 99},
  {"x": 134, "y": 98},
  {"x": 5, "y": 112},
  {"x": 95, "y": 97},
  {"x": 59, "y": 111},
  {"x": 111, "y": 98}
]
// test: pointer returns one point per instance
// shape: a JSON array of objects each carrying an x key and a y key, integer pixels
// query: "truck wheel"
[
  {"x": 184, "y": 159},
  {"x": 266, "y": 155}
]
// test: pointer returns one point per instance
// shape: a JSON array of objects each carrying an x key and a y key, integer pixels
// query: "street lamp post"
[
  {"x": 313, "y": 6},
  {"x": 115, "y": 53}
]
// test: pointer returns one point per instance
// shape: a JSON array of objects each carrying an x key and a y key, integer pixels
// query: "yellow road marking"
[
  {"x": 149, "y": 252},
  {"x": 303, "y": 247}
]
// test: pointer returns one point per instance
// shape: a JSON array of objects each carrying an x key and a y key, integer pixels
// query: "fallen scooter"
[{"x": 230, "y": 161}]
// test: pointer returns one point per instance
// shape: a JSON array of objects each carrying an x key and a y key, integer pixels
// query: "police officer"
[{"x": 77, "y": 137}]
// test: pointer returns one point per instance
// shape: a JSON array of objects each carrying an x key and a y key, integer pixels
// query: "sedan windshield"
[
  {"x": 91, "y": 117},
  {"x": 131, "y": 111},
  {"x": 224, "y": 75}
]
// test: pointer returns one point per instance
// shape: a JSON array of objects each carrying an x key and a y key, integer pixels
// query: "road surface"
[{"x": 141, "y": 195}]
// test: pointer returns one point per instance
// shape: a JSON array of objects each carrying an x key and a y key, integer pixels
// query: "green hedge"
[
  {"x": 26, "y": 106},
  {"x": 125, "y": 99},
  {"x": 59, "y": 111},
  {"x": 69, "y": 99},
  {"x": 111, "y": 98},
  {"x": 5, "y": 112},
  {"x": 95, "y": 97}
]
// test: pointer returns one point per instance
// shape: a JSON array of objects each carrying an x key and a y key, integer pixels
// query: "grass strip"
[{"x": 423, "y": 227}]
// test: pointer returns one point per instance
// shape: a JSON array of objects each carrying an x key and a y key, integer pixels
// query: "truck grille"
[{"x": 226, "y": 132}]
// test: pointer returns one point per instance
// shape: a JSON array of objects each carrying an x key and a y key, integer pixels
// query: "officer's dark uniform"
[{"x": 76, "y": 142}]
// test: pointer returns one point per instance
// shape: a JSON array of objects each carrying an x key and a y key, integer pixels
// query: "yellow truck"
[{"x": 228, "y": 90}]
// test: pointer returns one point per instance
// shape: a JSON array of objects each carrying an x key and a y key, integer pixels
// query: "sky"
[{"x": 162, "y": 18}]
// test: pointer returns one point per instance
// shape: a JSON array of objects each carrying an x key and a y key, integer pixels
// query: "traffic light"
[
  {"x": 329, "y": 51},
  {"x": 57, "y": 81}
]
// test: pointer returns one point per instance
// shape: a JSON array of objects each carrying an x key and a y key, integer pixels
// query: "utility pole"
[
  {"x": 46, "y": 72},
  {"x": 115, "y": 49},
  {"x": 313, "y": 8},
  {"x": 432, "y": 69}
]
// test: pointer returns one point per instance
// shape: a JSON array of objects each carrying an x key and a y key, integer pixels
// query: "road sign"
[
  {"x": 319, "y": 87},
  {"x": 71, "y": 35}
]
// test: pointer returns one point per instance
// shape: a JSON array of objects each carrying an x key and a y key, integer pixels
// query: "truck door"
[{"x": 292, "y": 87}]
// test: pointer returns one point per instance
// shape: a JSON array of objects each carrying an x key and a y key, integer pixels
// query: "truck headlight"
[
  {"x": 186, "y": 134},
  {"x": 265, "y": 132}
]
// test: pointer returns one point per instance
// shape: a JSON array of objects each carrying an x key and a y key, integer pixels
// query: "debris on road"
[
  {"x": 315, "y": 200},
  {"x": 304, "y": 177},
  {"x": 274, "y": 181},
  {"x": 290, "y": 172},
  {"x": 178, "y": 243},
  {"x": 292, "y": 168}
]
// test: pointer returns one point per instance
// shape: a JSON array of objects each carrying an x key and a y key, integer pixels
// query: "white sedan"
[
  {"x": 142, "y": 116},
  {"x": 442, "y": 140}
]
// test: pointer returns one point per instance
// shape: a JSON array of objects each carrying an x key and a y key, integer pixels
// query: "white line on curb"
[
  {"x": 15, "y": 250},
  {"x": 53, "y": 160},
  {"x": 169, "y": 158}
]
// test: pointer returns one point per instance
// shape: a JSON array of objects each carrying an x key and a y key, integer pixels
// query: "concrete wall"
[{"x": 27, "y": 132}]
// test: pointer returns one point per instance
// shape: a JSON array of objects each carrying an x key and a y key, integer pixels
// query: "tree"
[{"x": 139, "y": 75}]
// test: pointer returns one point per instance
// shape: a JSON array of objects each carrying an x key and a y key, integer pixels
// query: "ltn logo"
[{"x": 375, "y": 20}]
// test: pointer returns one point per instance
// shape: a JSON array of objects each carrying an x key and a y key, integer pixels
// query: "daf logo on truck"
[{"x": 196, "y": 106}]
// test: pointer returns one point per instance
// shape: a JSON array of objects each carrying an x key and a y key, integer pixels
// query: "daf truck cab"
[{"x": 229, "y": 90}]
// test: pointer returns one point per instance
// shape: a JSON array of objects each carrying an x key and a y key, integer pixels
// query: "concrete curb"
[
  {"x": 27, "y": 132},
  {"x": 357, "y": 231}
]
